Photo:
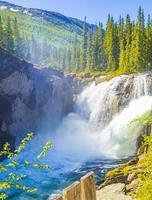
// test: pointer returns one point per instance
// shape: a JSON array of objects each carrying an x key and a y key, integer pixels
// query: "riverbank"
[
  {"x": 122, "y": 183},
  {"x": 131, "y": 180},
  {"x": 89, "y": 76}
]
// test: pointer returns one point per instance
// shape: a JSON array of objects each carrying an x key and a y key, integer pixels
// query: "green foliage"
[
  {"x": 41, "y": 42},
  {"x": 124, "y": 46},
  {"x": 8, "y": 37},
  {"x": 11, "y": 180},
  {"x": 145, "y": 189},
  {"x": 3, "y": 196},
  {"x": 109, "y": 45},
  {"x": 145, "y": 119},
  {"x": 84, "y": 46},
  {"x": 45, "y": 149}
]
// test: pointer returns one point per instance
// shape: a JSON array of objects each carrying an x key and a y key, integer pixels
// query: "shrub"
[{"x": 12, "y": 181}]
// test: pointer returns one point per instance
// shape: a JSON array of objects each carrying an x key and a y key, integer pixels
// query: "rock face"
[{"x": 30, "y": 98}]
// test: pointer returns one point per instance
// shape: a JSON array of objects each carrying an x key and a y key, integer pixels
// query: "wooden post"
[
  {"x": 88, "y": 187},
  {"x": 73, "y": 192},
  {"x": 59, "y": 197}
]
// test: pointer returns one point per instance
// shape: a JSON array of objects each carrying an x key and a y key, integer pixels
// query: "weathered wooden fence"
[{"x": 83, "y": 190}]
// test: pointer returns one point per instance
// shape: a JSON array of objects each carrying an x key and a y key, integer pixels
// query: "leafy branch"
[{"x": 12, "y": 180}]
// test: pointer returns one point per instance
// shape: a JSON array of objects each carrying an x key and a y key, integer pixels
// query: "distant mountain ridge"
[{"x": 71, "y": 24}]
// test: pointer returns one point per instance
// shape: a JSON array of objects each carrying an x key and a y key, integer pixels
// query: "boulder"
[
  {"x": 31, "y": 99},
  {"x": 113, "y": 192}
]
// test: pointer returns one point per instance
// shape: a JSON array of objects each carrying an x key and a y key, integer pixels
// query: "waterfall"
[
  {"x": 100, "y": 103},
  {"x": 140, "y": 86},
  {"x": 100, "y": 125},
  {"x": 119, "y": 138}
]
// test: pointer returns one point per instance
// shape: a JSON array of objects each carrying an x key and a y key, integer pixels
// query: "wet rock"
[
  {"x": 131, "y": 177},
  {"x": 31, "y": 99},
  {"x": 133, "y": 161},
  {"x": 132, "y": 187},
  {"x": 142, "y": 150},
  {"x": 118, "y": 177}
]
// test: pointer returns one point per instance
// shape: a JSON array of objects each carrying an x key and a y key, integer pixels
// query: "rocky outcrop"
[
  {"x": 30, "y": 99},
  {"x": 121, "y": 90},
  {"x": 118, "y": 175},
  {"x": 113, "y": 192},
  {"x": 123, "y": 182}
]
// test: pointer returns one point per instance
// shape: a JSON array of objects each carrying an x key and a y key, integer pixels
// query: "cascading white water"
[
  {"x": 119, "y": 138},
  {"x": 140, "y": 86},
  {"x": 95, "y": 102},
  {"x": 98, "y": 128}
]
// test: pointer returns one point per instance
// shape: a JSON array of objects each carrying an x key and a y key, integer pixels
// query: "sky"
[{"x": 95, "y": 10}]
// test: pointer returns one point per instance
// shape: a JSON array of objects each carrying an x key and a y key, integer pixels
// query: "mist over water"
[
  {"x": 88, "y": 134},
  {"x": 81, "y": 141}
]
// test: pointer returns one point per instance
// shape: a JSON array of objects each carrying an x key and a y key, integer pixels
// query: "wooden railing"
[{"x": 83, "y": 190}]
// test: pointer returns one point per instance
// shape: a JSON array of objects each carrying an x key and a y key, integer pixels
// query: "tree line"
[
  {"x": 124, "y": 45},
  {"x": 33, "y": 49}
]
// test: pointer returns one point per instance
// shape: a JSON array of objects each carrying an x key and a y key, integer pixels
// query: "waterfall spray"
[{"x": 98, "y": 128}]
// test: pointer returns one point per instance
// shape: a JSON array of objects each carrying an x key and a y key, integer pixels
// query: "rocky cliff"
[{"x": 30, "y": 99}]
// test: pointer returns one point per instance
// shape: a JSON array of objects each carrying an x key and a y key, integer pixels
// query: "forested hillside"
[
  {"x": 48, "y": 38},
  {"x": 39, "y": 36}
]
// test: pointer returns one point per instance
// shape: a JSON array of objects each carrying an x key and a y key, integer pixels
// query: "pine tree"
[
  {"x": 1, "y": 33},
  {"x": 27, "y": 49},
  {"x": 78, "y": 59},
  {"x": 127, "y": 41},
  {"x": 122, "y": 56},
  {"x": 68, "y": 60},
  {"x": 89, "y": 53},
  {"x": 116, "y": 47},
  {"x": 9, "y": 41},
  {"x": 74, "y": 54},
  {"x": 134, "y": 51},
  {"x": 18, "y": 42},
  {"x": 149, "y": 43},
  {"x": 93, "y": 49},
  {"x": 138, "y": 48},
  {"x": 121, "y": 44},
  {"x": 108, "y": 45},
  {"x": 63, "y": 60},
  {"x": 101, "y": 62},
  {"x": 120, "y": 29},
  {"x": 45, "y": 53},
  {"x": 84, "y": 46}
]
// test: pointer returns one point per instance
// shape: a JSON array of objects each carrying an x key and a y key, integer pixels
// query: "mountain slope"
[
  {"x": 44, "y": 37},
  {"x": 62, "y": 29}
]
